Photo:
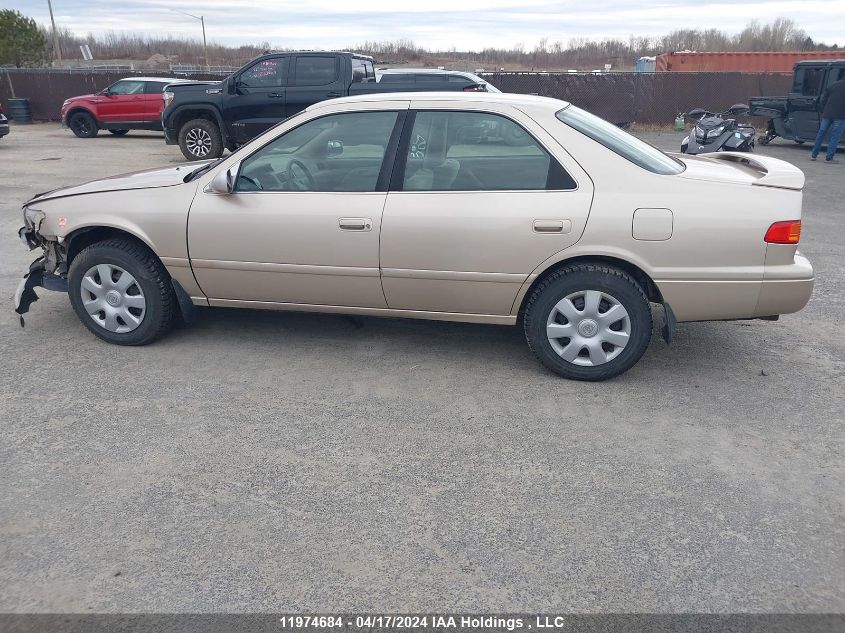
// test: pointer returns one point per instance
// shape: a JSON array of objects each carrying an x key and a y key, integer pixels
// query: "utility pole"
[
  {"x": 201, "y": 18},
  {"x": 56, "y": 48}
]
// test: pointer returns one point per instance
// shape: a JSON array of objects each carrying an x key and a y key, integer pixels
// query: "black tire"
[
  {"x": 585, "y": 277},
  {"x": 152, "y": 278},
  {"x": 83, "y": 125},
  {"x": 120, "y": 132},
  {"x": 208, "y": 132}
]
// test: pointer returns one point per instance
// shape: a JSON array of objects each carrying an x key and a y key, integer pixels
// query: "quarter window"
[
  {"x": 625, "y": 145},
  {"x": 266, "y": 73},
  {"x": 315, "y": 71},
  {"x": 339, "y": 152},
  {"x": 477, "y": 151}
]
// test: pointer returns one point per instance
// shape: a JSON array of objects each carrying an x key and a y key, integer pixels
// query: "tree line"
[{"x": 24, "y": 43}]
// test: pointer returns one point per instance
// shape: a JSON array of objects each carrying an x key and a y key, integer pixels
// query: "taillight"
[{"x": 788, "y": 232}]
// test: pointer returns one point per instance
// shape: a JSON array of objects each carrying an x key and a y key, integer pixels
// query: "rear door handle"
[
  {"x": 276, "y": 95},
  {"x": 355, "y": 224},
  {"x": 552, "y": 226}
]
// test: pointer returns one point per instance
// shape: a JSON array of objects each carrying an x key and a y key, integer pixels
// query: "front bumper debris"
[{"x": 36, "y": 276}]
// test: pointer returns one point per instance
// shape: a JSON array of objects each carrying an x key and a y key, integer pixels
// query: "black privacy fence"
[{"x": 647, "y": 98}]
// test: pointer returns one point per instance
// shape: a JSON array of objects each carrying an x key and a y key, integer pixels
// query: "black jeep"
[{"x": 796, "y": 116}]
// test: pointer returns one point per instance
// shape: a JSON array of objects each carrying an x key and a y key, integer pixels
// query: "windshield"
[
  {"x": 204, "y": 168},
  {"x": 627, "y": 146}
]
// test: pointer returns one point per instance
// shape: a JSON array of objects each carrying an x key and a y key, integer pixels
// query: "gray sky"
[{"x": 464, "y": 24}]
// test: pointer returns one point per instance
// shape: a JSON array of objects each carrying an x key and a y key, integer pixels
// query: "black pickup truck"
[
  {"x": 206, "y": 117},
  {"x": 796, "y": 116}
]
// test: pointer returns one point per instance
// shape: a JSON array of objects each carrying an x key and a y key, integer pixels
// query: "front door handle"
[
  {"x": 355, "y": 224},
  {"x": 333, "y": 94},
  {"x": 276, "y": 95}
]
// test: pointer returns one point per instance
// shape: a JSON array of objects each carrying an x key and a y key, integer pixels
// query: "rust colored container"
[{"x": 761, "y": 62}]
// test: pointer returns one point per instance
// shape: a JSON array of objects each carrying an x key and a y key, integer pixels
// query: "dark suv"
[{"x": 204, "y": 118}]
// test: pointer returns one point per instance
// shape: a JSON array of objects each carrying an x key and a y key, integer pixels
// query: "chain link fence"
[
  {"x": 649, "y": 98},
  {"x": 622, "y": 98}
]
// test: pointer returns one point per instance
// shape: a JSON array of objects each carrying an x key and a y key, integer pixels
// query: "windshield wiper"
[{"x": 201, "y": 170}]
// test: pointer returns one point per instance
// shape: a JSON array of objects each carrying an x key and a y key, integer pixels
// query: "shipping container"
[
  {"x": 645, "y": 65},
  {"x": 761, "y": 62}
]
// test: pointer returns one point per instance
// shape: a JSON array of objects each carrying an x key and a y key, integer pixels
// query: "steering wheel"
[
  {"x": 253, "y": 181},
  {"x": 299, "y": 177}
]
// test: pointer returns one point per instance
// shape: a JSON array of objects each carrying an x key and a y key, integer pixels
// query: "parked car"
[
  {"x": 133, "y": 103},
  {"x": 423, "y": 77},
  {"x": 796, "y": 116},
  {"x": 204, "y": 118},
  {"x": 378, "y": 205},
  {"x": 4, "y": 123}
]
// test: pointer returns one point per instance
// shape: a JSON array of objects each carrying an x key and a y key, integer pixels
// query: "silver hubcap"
[
  {"x": 198, "y": 141},
  {"x": 113, "y": 298},
  {"x": 588, "y": 328}
]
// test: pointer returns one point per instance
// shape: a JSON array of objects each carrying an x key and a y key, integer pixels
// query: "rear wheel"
[
  {"x": 83, "y": 125},
  {"x": 588, "y": 322},
  {"x": 119, "y": 132},
  {"x": 121, "y": 292},
  {"x": 200, "y": 139}
]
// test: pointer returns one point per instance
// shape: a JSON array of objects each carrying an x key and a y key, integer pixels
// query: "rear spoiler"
[{"x": 771, "y": 172}]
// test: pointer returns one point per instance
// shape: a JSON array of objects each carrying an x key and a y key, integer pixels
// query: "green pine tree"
[{"x": 21, "y": 41}]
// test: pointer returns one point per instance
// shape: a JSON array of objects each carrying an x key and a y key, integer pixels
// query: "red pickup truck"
[{"x": 133, "y": 103}]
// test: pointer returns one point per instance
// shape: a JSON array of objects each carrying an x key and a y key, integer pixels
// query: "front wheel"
[
  {"x": 121, "y": 292},
  {"x": 83, "y": 125},
  {"x": 200, "y": 139},
  {"x": 119, "y": 132},
  {"x": 588, "y": 322}
]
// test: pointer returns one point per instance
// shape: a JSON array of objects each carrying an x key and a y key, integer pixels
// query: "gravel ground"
[{"x": 263, "y": 461}]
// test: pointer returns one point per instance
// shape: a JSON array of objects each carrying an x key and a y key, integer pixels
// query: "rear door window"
[
  {"x": 154, "y": 87},
  {"x": 313, "y": 70},
  {"x": 812, "y": 81},
  {"x": 477, "y": 151}
]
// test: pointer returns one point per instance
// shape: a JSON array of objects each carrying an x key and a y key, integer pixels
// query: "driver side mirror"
[
  {"x": 223, "y": 182},
  {"x": 231, "y": 85}
]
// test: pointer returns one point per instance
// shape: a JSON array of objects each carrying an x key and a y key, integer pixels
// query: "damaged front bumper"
[{"x": 48, "y": 271}]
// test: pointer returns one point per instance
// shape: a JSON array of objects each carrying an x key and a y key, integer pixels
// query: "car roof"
[
  {"x": 456, "y": 97},
  {"x": 422, "y": 71},
  {"x": 167, "y": 80}
]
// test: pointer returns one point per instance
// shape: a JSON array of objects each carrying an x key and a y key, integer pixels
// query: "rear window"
[
  {"x": 619, "y": 141},
  {"x": 362, "y": 70},
  {"x": 395, "y": 78}
]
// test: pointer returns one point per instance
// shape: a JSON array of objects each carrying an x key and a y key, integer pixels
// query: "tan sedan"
[{"x": 476, "y": 207}]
